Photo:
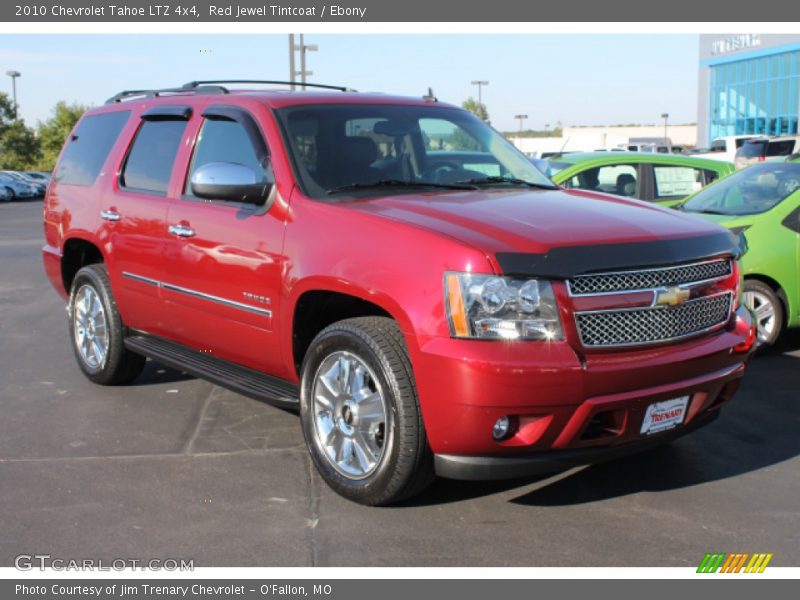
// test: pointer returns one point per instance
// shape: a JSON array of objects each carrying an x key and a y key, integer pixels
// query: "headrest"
[{"x": 361, "y": 151}]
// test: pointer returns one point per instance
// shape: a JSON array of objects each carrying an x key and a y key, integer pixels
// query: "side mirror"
[{"x": 231, "y": 182}]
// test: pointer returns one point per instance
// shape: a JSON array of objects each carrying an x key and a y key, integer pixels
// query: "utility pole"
[
  {"x": 521, "y": 119},
  {"x": 292, "y": 70},
  {"x": 14, "y": 75},
  {"x": 665, "y": 116},
  {"x": 303, "y": 47},
  {"x": 480, "y": 83}
]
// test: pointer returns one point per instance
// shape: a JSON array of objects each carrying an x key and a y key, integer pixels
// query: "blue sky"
[{"x": 574, "y": 79}]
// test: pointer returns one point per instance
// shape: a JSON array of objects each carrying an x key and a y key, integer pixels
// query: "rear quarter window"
[{"x": 88, "y": 147}]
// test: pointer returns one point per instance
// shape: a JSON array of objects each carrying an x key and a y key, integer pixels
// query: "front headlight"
[{"x": 492, "y": 307}]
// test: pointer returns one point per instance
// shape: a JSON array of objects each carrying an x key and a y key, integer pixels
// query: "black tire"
[
  {"x": 11, "y": 195},
  {"x": 119, "y": 365},
  {"x": 405, "y": 467},
  {"x": 764, "y": 293}
]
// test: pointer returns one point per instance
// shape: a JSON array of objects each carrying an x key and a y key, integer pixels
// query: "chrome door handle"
[
  {"x": 110, "y": 215},
  {"x": 181, "y": 231}
]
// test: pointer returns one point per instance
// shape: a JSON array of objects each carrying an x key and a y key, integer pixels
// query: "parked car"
[
  {"x": 724, "y": 148},
  {"x": 319, "y": 251},
  {"x": 17, "y": 188},
  {"x": 38, "y": 187},
  {"x": 40, "y": 176},
  {"x": 663, "y": 179},
  {"x": 763, "y": 202},
  {"x": 766, "y": 149}
]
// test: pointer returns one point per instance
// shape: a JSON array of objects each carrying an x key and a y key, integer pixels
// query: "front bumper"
[
  {"x": 488, "y": 468},
  {"x": 561, "y": 400}
]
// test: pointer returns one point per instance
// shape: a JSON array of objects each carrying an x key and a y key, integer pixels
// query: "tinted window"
[
  {"x": 224, "y": 141},
  {"x": 717, "y": 146},
  {"x": 781, "y": 148},
  {"x": 676, "y": 182},
  {"x": 88, "y": 148},
  {"x": 150, "y": 160}
]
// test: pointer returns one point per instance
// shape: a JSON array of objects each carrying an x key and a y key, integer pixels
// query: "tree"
[
  {"x": 19, "y": 147},
  {"x": 54, "y": 131},
  {"x": 477, "y": 108}
]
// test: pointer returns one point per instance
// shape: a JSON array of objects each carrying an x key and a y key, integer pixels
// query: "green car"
[
  {"x": 763, "y": 201},
  {"x": 665, "y": 179}
]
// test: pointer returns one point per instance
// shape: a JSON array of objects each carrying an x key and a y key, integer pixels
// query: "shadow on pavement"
[{"x": 757, "y": 429}]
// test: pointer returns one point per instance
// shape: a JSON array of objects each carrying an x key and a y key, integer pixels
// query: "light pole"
[
  {"x": 665, "y": 116},
  {"x": 480, "y": 83},
  {"x": 292, "y": 70},
  {"x": 303, "y": 49},
  {"x": 14, "y": 75},
  {"x": 521, "y": 119}
]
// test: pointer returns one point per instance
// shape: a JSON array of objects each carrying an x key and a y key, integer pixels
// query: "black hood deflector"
[{"x": 568, "y": 261}]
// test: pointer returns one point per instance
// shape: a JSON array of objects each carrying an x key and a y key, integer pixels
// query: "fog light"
[{"x": 501, "y": 428}]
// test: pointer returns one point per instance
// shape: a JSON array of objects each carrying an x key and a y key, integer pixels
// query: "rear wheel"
[
  {"x": 11, "y": 194},
  {"x": 360, "y": 413},
  {"x": 97, "y": 331},
  {"x": 763, "y": 300}
]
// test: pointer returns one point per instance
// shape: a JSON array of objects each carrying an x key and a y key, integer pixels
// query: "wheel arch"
[
  {"x": 76, "y": 253},
  {"x": 321, "y": 302}
]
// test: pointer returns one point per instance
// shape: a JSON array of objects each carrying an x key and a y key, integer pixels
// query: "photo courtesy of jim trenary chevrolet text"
[{"x": 396, "y": 299}]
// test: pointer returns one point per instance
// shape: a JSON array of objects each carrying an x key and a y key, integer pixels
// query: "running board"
[{"x": 248, "y": 382}]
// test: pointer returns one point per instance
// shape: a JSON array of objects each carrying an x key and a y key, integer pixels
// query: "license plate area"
[{"x": 664, "y": 415}]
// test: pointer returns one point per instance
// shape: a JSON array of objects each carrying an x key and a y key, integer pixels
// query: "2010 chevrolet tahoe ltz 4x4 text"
[{"x": 395, "y": 270}]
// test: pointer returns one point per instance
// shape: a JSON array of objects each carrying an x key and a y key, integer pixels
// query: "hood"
[{"x": 536, "y": 221}]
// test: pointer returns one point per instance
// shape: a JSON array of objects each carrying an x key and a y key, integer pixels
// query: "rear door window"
[
  {"x": 621, "y": 180},
  {"x": 88, "y": 148},
  {"x": 149, "y": 164},
  {"x": 676, "y": 182}
]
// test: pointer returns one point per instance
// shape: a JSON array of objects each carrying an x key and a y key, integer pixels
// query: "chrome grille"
[
  {"x": 645, "y": 279},
  {"x": 627, "y": 327}
]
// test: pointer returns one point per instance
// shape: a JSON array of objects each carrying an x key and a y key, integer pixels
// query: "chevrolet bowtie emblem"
[{"x": 672, "y": 296}]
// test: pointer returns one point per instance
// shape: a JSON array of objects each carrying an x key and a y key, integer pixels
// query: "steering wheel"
[{"x": 439, "y": 168}]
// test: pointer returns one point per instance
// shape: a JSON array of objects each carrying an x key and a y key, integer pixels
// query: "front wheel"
[
  {"x": 360, "y": 413},
  {"x": 766, "y": 305}
]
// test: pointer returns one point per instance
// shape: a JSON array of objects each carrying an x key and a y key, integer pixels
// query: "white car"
[{"x": 724, "y": 148}]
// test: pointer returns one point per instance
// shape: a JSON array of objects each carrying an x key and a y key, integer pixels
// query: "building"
[
  {"x": 748, "y": 84},
  {"x": 586, "y": 139}
]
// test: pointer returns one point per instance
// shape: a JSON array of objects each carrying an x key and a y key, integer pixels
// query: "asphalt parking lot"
[{"x": 173, "y": 466}]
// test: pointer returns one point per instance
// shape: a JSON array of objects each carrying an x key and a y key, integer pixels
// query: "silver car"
[{"x": 17, "y": 188}]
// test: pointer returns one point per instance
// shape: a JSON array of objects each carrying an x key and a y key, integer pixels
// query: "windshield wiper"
[
  {"x": 398, "y": 183},
  {"x": 707, "y": 211},
  {"x": 512, "y": 180}
]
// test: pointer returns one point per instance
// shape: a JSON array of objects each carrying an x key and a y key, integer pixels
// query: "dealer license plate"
[{"x": 661, "y": 416}]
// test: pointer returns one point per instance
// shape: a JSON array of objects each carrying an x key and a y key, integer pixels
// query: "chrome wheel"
[
  {"x": 762, "y": 305},
  {"x": 89, "y": 326},
  {"x": 349, "y": 415}
]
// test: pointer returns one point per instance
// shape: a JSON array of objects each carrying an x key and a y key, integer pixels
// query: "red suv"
[{"x": 397, "y": 272}]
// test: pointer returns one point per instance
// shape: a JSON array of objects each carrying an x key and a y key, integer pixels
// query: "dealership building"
[{"x": 748, "y": 84}]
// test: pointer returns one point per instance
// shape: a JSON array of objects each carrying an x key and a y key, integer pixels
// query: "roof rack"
[
  {"x": 128, "y": 94},
  {"x": 214, "y": 87},
  {"x": 197, "y": 84}
]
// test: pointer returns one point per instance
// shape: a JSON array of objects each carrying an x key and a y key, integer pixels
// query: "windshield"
[
  {"x": 753, "y": 190},
  {"x": 361, "y": 149}
]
